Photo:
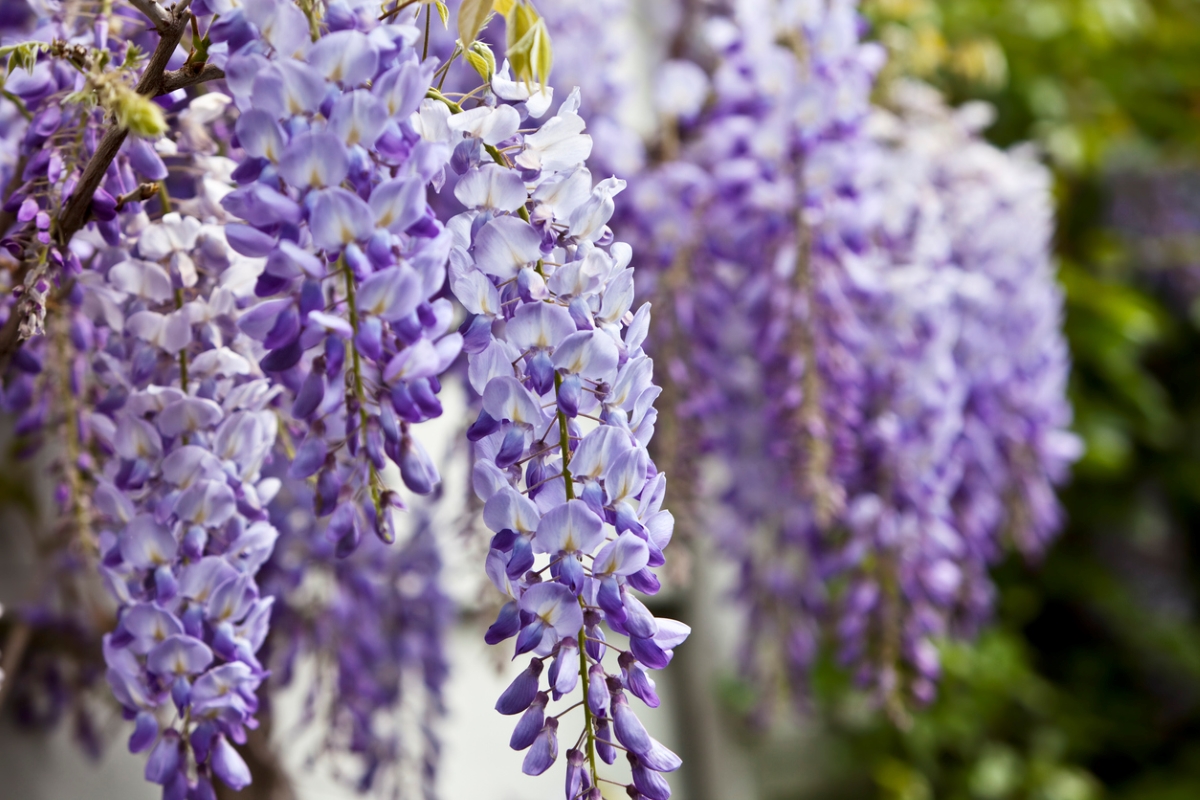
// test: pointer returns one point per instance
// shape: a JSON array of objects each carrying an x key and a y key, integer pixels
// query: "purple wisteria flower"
[
  {"x": 571, "y": 495},
  {"x": 332, "y": 191},
  {"x": 838, "y": 336}
]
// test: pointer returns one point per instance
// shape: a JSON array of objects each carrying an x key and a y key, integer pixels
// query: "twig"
[
  {"x": 154, "y": 12},
  {"x": 75, "y": 215},
  {"x": 189, "y": 75},
  {"x": 14, "y": 183}
]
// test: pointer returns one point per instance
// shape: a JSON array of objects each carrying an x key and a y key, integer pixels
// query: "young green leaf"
[{"x": 472, "y": 16}]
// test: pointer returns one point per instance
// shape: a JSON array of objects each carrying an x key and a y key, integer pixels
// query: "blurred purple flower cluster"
[
  {"x": 231, "y": 309},
  {"x": 860, "y": 327}
]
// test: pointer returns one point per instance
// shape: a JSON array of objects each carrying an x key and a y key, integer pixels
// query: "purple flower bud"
[
  {"x": 637, "y": 681},
  {"x": 652, "y": 785},
  {"x": 610, "y": 598},
  {"x": 165, "y": 586},
  {"x": 581, "y": 315},
  {"x": 649, "y": 653},
  {"x": 249, "y": 170},
  {"x": 248, "y": 241},
  {"x": 145, "y": 731},
  {"x": 597, "y": 693},
  {"x": 530, "y": 724},
  {"x": 507, "y": 623},
  {"x": 181, "y": 692},
  {"x": 644, "y": 581},
  {"x": 639, "y": 622},
  {"x": 177, "y": 787},
  {"x": 570, "y": 392},
  {"x": 203, "y": 790},
  {"x": 310, "y": 397},
  {"x": 228, "y": 765},
  {"x": 335, "y": 355},
  {"x": 522, "y": 691},
  {"x": 165, "y": 759},
  {"x": 483, "y": 426},
  {"x": 477, "y": 333},
  {"x": 576, "y": 774},
  {"x": 544, "y": 750},
  {"x": 328, "y": 487},
  {"x": 630, "y": 731},
  {"x": 511, "y": 448},
  {"x": 26, "y": 361},
  {"x": 104, "y": 205},
  {"x": 595, "y": 649},
  {"x": 144, "y": 159},
  {"x": 284, "y": 358},
  {"x": 521, "y": 557},
  {"x": 424, "y": 396},
  {"x": 530, "y": 637},
  {"x": 660, "y": 758},
  {"x": 564, "y": 670},
  {"x": 285, "y": 330},
  {"x": 369, "y": 338},
  {"x": 416, "y": 469},
  {"x": 604, "y": 748},
  {"x": 202, "y": 739}
]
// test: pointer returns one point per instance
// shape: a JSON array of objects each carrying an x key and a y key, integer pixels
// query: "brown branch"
[
  {"x": 156, "y": 13},
  {"x": 75, "y": 215},
  {"x": 15, "y": 644},
  {"x": 14, "y": 183},
  {"x": 189, "y": 75}
]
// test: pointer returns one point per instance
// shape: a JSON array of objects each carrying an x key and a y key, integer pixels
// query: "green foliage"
[
  {"x": 21, "y": 56},
  {"x": 527, "y": 41}
]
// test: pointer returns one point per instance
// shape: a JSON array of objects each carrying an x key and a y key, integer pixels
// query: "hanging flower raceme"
[
  {"x": 837, "y": 330},
  {"x": 567, "y": 410},
  {"x": 383, "y": 617},
  {"x": 155, "y": 400},
  {"x": 332, "y": 193},
  {"x": 184, "y": 423}
]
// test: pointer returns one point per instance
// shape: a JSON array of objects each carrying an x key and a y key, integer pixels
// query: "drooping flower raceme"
[
  {"x": 332, "y": 191},
  {"x": 836, "y": 333},
  {"x": 567, "y": 410},
  {"x": 185, "y": 415},
  {"x": 377, "y": 622}
]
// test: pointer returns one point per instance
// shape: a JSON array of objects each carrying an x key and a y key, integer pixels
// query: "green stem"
[
  {"x": 564, "y": 440},
  {"x": 587, "y": 712},
  {"x": 564, "y": 445},
  {"x": 425, "y": 47},
  {"x": 359, "y": 392}
]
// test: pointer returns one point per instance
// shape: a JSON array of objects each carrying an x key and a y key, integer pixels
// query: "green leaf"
[
  {"x": 543, "y": 52},
  {"x": 21, "y": 56},
  {"x": 481, "y": 59},
  {"x": 133, "y": 54},
  {"x": 528, "y": 42},
  {"x": 472, "y": 17},
  {"x": 443, "y": 12}
]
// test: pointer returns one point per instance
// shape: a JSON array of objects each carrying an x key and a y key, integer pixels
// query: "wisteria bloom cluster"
[
  {"x": 246, "y": 241},
  {"x": 567, "y": 411},
  {"x": 284, "y": 306},
  {"x": 841, "y": 333}
]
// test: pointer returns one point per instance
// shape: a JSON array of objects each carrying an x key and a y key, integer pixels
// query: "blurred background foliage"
[{"x": 1089, "y": 685}]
